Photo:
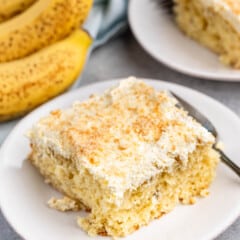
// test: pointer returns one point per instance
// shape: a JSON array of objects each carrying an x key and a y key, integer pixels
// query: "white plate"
[
  {"x": 160, "y": 37},
  {"x": 23, "y": 194}
]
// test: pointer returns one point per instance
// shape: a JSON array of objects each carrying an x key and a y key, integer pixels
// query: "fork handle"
[{"x": 228, "y": 162}]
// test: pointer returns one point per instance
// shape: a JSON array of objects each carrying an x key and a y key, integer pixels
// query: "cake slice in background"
[{"x": 214, "y": 23}]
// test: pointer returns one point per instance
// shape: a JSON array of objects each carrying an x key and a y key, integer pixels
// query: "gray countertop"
[{"x": 123, "y": 57}]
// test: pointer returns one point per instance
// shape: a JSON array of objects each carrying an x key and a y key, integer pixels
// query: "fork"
[
  {"x": 167, "y": 5},
  {"x": 197, "y": 115}
]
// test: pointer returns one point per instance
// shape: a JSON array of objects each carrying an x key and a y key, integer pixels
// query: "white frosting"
[
  {"x": 132, "y": 159},
  {"x": 229, "y": 9}
]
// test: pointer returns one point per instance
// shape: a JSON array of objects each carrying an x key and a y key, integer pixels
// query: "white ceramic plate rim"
[
  {"x": 180, "y": 68},
  {"x": 233, "y": 214}
]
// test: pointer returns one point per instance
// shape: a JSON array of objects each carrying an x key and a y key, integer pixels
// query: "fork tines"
[{"x": 167, "y": 5}]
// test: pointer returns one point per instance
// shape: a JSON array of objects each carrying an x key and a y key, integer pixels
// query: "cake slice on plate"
[
  {"x": 214, "y": 23},
  {"x": 128, "y": 155}
]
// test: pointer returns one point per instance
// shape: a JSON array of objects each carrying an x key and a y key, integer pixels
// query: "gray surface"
[{"x": 124, "y": 57}]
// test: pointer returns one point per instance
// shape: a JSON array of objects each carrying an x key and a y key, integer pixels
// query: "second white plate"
[{"x": 158, "y": 34}]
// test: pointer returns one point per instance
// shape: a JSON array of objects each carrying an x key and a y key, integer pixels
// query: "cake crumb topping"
[{"x": 123, "y": 137}]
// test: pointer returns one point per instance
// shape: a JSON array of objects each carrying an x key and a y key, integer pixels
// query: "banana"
[
  {"x": 10, "y": 8},
  {"x": 26, "y": 83},
  {"x": 42, "y": 24}
]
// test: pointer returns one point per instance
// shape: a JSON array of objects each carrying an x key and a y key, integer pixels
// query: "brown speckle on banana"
[{"x": 10, "y": 8}]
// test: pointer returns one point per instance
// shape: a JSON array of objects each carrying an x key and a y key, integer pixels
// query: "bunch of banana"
[
  {"x": 42, "y": 51},
  {"x": 42, "y": 24},
  {"x": 26, "y": 83}
]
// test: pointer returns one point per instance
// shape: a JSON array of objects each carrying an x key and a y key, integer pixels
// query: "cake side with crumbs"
[
  {"x": 215, "y": 24},
  {"x": 128, "y": 156}
]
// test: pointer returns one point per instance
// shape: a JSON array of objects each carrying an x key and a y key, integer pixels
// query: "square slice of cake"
[
  {"x": 214, "y": 23},
  {"x": 128, "y": 156}
]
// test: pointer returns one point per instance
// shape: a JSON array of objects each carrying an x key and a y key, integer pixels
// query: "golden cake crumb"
[{"x": 64, "y": 204}]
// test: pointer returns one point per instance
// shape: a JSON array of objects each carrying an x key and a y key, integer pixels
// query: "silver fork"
[
  {"x": 167, "y": 5},
  {"x": 209, "y": 126}
]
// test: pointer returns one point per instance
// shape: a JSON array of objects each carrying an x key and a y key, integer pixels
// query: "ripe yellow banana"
[
  {"x": 42, "y": 24},
  {"x": 26, "y": 83},
  {"x": 10, "y": 8}
]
